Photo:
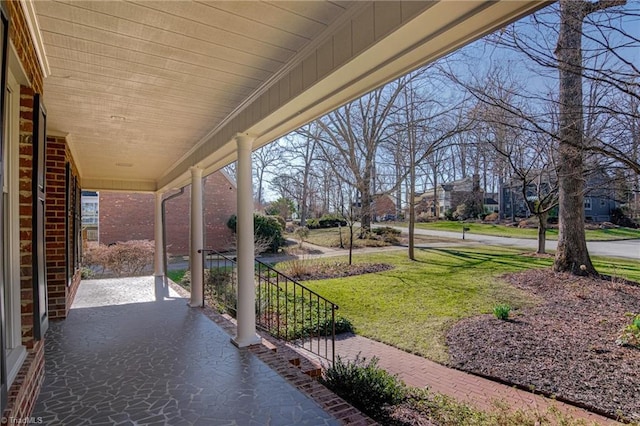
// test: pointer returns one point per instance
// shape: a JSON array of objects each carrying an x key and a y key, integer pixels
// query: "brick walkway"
[{"x": 419, "y": 372}]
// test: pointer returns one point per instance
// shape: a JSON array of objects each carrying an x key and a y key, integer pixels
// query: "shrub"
[
  {"x": 491, "y": 217},
  {"x": 388, "y": 234},
  {"x": 502, "y": 311},
  {"x": 127, "y": 258},
  {"x": 630, "y": 334},
  {"x": 302, "y": 233},
  {"x": 448, "y": 214},
  {"x": 619, "y": 217},
  {"x": 313, "y": 224},
  {"x": 331, "y": 221},
  {"x": 365, "y": 385},
  {"x": 266, "y": 229}
]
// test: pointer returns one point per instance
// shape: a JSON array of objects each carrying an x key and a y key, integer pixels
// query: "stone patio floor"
[{"x": 127, "y": 355}]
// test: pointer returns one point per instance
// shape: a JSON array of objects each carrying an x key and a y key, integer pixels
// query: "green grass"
[
  {"x": 413, "y": 305},
  {"x": 176, "y": 275},
  {"x": 515, "y": 232},
  {"x": 330, "y": 237}
]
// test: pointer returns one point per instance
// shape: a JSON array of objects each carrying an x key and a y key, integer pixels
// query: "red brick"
[{"x": 130, "y": 216}]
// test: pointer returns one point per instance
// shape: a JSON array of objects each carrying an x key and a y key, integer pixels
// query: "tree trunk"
[
  {"x": 412, "y": 203},
  {"x": 542, "y": 232},
  {"x": 572, "y": 254}
]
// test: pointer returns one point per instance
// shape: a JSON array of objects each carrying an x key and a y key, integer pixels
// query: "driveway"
[{"x": 628, "y": 249}]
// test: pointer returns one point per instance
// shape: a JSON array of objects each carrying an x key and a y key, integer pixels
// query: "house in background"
[
  {"x": 599, "y": 198},
  {"x": 449, "y": 196},
  {"x": 90, "y": 215},
  {"x": 383, "y": 207},
  {"x": 129, "y": 216}
]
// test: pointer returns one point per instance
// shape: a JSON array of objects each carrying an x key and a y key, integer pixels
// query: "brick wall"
[
  {"x": 26, "y": 386},
  {"x": 24, "y": 390},
  {"x": 130, "y": 216},
  {"x": 58, "y": 237}
]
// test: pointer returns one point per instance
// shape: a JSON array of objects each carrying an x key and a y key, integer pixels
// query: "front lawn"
[
  {"x": 412, "y": 305},
  {"x": 515, "y": 232},
  {"x": 330, "y": 237}
]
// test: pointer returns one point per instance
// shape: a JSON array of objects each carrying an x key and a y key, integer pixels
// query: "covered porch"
[{"x": 128, "y": 354}]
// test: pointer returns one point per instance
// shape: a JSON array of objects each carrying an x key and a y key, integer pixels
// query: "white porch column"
[
  {"x": 158, "y": 264},
  {"x": 246, "y": 313},
  {"x": 196, "y": 225}
]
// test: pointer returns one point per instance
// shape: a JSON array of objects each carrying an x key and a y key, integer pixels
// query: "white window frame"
[{"x": 15, "y": 351}]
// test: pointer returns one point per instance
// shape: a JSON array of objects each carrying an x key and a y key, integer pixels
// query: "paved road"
[{"x": 628, "y": 249}]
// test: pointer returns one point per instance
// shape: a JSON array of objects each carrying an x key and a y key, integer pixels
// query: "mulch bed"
[
  {"x": 565, "y": 346},
  {"x": 326, "y": 269}
]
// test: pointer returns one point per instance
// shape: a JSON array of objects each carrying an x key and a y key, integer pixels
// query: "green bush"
[
  {"x": 365, "y": 385},
  {"x": 326, "y": 221},
  {"x": 502, "y": 311},
  {"x": 323, "y": 328},
  {"x": 265, "y": 228},
  {"x": 312, "y": 223},
  {"x": 630, "y": 334}
]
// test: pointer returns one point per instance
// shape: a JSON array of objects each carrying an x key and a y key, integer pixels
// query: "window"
[
  {"x": 587, "y": 203},
  {"x": 16, "y": 353}
]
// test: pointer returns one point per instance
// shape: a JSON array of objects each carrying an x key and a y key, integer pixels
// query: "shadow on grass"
[{"x": 466, "y": 259}]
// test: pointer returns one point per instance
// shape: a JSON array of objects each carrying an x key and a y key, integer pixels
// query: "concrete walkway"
[{"x": 481, "y": 393}]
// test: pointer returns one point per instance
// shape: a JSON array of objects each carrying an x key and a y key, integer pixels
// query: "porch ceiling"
[{"x": 146, "y": 89}]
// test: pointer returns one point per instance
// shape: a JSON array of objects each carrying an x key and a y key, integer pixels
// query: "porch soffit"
[{"x": 148, "y": 89}]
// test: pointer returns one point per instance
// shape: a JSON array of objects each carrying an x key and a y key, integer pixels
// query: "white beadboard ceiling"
[{"x": 146, "y": 89}]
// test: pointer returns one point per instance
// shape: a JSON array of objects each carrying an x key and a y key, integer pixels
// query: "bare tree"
[
  {"x": 600, "y": 26},
  {"x": 265, "y": 159},
  {"x": 351, "y": 135}
]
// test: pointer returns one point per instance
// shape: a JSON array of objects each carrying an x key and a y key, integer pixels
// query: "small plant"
[
  {"x": 86, "y": 273},
  {"x": 365, "y": 385},
  {"x": 630, "y": 334},
  {"x": 301, "y": 233},
  {"x": 502, "y": 311}
]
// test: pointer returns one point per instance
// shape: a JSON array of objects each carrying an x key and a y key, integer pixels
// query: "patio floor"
[{"x": 126, "y": 355}]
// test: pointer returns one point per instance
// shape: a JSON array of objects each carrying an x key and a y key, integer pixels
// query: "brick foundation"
[{"x": 26, "y": 386}]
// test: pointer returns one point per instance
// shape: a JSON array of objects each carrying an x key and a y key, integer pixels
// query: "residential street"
[{"x": 628, "y": 249}]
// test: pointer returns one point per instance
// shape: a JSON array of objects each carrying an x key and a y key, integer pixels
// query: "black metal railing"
[
  {"x": 285, "y": 308},
  {"x": 220, "y": 281}
]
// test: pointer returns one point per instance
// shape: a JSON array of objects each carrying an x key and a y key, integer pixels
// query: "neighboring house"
[
  {"x": 491, "y": 203},
  {"x": 90, "y": 215},
  {"x": 599, "y": 198},
  {"x": 130, "y": 216},
  {"x": 383, "y": 208},
  {"x": 449, "y": 196}
]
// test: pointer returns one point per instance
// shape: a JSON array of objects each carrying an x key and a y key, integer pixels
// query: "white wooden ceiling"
[{"x": 143, "y": 88}]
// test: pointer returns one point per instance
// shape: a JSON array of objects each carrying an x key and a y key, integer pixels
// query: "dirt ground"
[{"x": 565, "y": 346}]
